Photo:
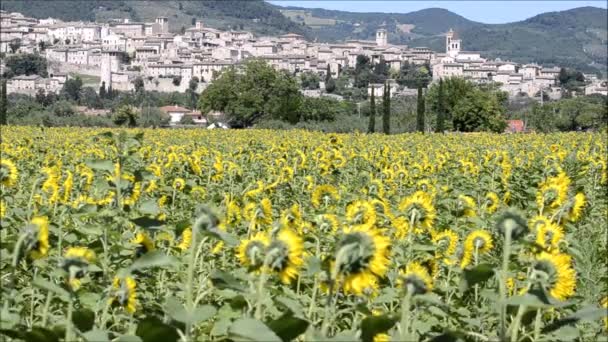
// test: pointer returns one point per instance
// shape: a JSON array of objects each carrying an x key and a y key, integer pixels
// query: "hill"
[
  {"x": 575, "y": 38},
  {"x": 253, "y": 15}
]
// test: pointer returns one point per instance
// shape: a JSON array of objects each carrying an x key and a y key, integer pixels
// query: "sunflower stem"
[
  {"x": 405, "y": 314},
  {"x": 503, "y": 281},
  {"x": 29, "y": 202},
  {"x": 69, "y": 328},
  {"x": 537, "y": 322},
  {"x": 47, "y": 304},
  {"x": 190, "y": 280},
  {"x": 259, "y": 309},
  {"x": 313, "y": 298},
  {"x": 517, "y": 322},
  {"x": 476, "y": 258}
]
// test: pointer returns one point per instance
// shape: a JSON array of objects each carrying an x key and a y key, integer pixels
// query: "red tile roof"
[
  {"x": 168, "y": 109},
  {"x": 515, "y": 126}
]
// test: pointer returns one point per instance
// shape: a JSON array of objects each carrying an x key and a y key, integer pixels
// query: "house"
[
  {"x": 515, "y": 126},
  {"x": 176, "y": 113}
]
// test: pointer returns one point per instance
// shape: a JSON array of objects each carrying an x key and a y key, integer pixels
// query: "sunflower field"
[{"x": 260, "y": 235}]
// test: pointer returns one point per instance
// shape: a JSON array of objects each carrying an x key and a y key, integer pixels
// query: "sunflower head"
[
  {"x": 323, "y": 195},
  {"x": 179, "y": 184},
  {"x": 75, "y": 263},
  {"x": 478, "y": 240},
  {"x": 415, "y": 278},
  {"x": 548, "y": 236},
  {"x": 361, "y": 213},
  {"x": 512, "y": 223},
  {"x": 124, "y": 293},
  {"x": 251, "y": 251},
  {"x": 186, "y": 239},
  {"x": 446, "y": 243},
  {"x": 466, "y": 206},
  {"x": 144, "y": 244},
  {"x": 576, "y": 207},
  {"x": 419, "y": 209},
  {"x": 492, "y": 202},
  {"x": 555, "y": 273},
  {"x": 8, "y": 173},
  {"x": 361, "y": 257},
  {"x": 284, "y": 254},
  {"x": 36, "y": 243}
]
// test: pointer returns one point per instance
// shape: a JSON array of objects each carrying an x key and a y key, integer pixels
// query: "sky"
[{"x": 489, "y": 12}]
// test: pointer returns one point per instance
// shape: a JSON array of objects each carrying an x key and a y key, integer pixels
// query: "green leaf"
[
  {"x": 313, "y": 266},
  {"x": 152, "y": 329},
  {"x": 249, "y": 329},
  {"x": 38, "y": 334},
  {"x": 96, "y": 335},
  {"x": 149, "y": 207},
  {"x": 589, "y": 313},
  {"x": 148, "y": 222},
  {"x": 153, "y": 259},
  {"x": 179, "y": 313},
  {"x": 14, "y": 334},
  {"x": 292, "y": 305},
  {"x": 475, "y": 275},
  {"x": 84, "y": 319},
  {"x": 56, "y": 289},
  {"x": 223, "y": 280},
  {"x": 288, "y": 327},
  {"x": 373, "y": 325},
  {"x": 128, "y": 338},
  {"x": 219, "y": 234},
  {"x": 101, "y": 165}
]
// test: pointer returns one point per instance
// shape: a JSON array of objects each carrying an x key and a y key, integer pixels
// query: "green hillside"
[{"x": 576, "y": 38}]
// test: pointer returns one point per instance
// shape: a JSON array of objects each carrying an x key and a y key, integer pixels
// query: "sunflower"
[
  {"x": 8, "y": 173},
  {"x": 558, "y": 273},
  {"x": 145, "y": 244},
  {"x": 382, "y": 337},
  {"x": 549, "y": 236},
  {"x": 419, "y": 208},
  {"x": 328, "y": 222},
  {"x": 604, "y": 304},
  {"x": 284, "y": 254},
  {"x": 258, "y": 213},
  {"x": 233, "y": 212},
  {"x": 75, "y": 262},
  {"x": 538, "y": 221},
  {"x": 198, "y": 192},
  {"x": 480, "y": 239},
  {"x": 38, "y": 244},
  {"x": 553, "y": 192},
  {"x": 179, "y": 184},
  {"x": 416, "y": 276},
  {"x": 466, "y": 206},
  {"x": 186, "y": 239},
  {"x": 251, "y": 251},
  {"x": 2, "y": 209},
  {"x": 492, "y": 202},
  {"x": 292, "y": 218},
  {"x": 361, "y": 213},
  {"x": 125, "y": 295},
  {"x": 322, "y": 194},
  {"x": 361, "y": 258},
  {"x": 446, "y": 243},
  {"x": 576, "y": 208},
  {"x": 67, "y": 187}
]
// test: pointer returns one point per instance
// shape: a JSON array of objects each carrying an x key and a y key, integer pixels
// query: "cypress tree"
[
  {"x": 372, "y": 113},
  {"x": 440, "y": 109},
  {"x": 386, "y": 106},
  {"x": 3, "y": 103},
  {"x": 420, "y": 111},
  {"x": 327, "y": 74},
  {"x": 102, "y": 90}
]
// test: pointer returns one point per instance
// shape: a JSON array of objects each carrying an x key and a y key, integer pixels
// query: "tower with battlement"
[
  {"x": 111, "y": 61},
  {"x": 381, "y": 37}
]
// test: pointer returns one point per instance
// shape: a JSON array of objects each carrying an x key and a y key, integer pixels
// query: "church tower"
[
  {"x": 452, "y": 43},
  {"x": 381, "y": 37}
]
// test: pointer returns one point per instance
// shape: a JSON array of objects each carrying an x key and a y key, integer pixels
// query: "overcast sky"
[{"x": 491, "y": 12}]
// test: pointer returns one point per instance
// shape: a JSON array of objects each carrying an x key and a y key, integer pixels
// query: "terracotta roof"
[
  {"x": 515, "y": 126},
  {"x": 168, "y": 109}
]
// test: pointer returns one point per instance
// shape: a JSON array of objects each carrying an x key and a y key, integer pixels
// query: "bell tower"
[
  {"x": 452, "y": 43},
  {"x": 381, "y": 37}
]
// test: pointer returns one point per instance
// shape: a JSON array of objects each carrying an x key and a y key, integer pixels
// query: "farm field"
[{"x": 259, "y": 235}]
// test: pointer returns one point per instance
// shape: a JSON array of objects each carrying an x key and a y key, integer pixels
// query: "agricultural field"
[{"x": 260, "y": 235}]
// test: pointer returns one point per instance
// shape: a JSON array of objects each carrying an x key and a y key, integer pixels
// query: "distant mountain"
[
  {"x": 253, "y": 15},
  {"x": 575, "y": 38}
]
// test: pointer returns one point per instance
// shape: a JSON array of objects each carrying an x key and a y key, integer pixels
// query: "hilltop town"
[{"x": 120, "y": 51}]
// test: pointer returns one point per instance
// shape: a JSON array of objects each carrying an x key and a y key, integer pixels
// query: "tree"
[
  {"x": 14, "y": 45},
  {"x": 420, "y": 110},
  {"x": 454, "y": 89},
  {"x": 380, "y": 72},
  {"x": 125, "y": 114},
  {"x": 177, "y": 80},
  {"x": 26, "y": 64},
  {"x": 254, "y": 91},
  {"x": 90, "y": 98},
  {"x": 72, "y": 89},
  {"x": 327, "y": 73},
  {"x": 63, "y": 109},
  {"x": 3, "y": 103},
  {"x": 102, "y": 90},
  {"x": 41, "y": 45},
  {"x": 182, "y": 30},
  {"x": 479, "y": 111},
  {"x": 192, "y": 85},
  {"x": 386, "y": 106},
  {"x": 372, "y": 113},
  {"x": 309, "y": 80},
  {"x": 330, "y": 85},
  {"x": 138, "y": 84},
  {"x": 440, "y": 108},
  {"x": 362, "y": 72},
  {"x": 193, "y": 21}
]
